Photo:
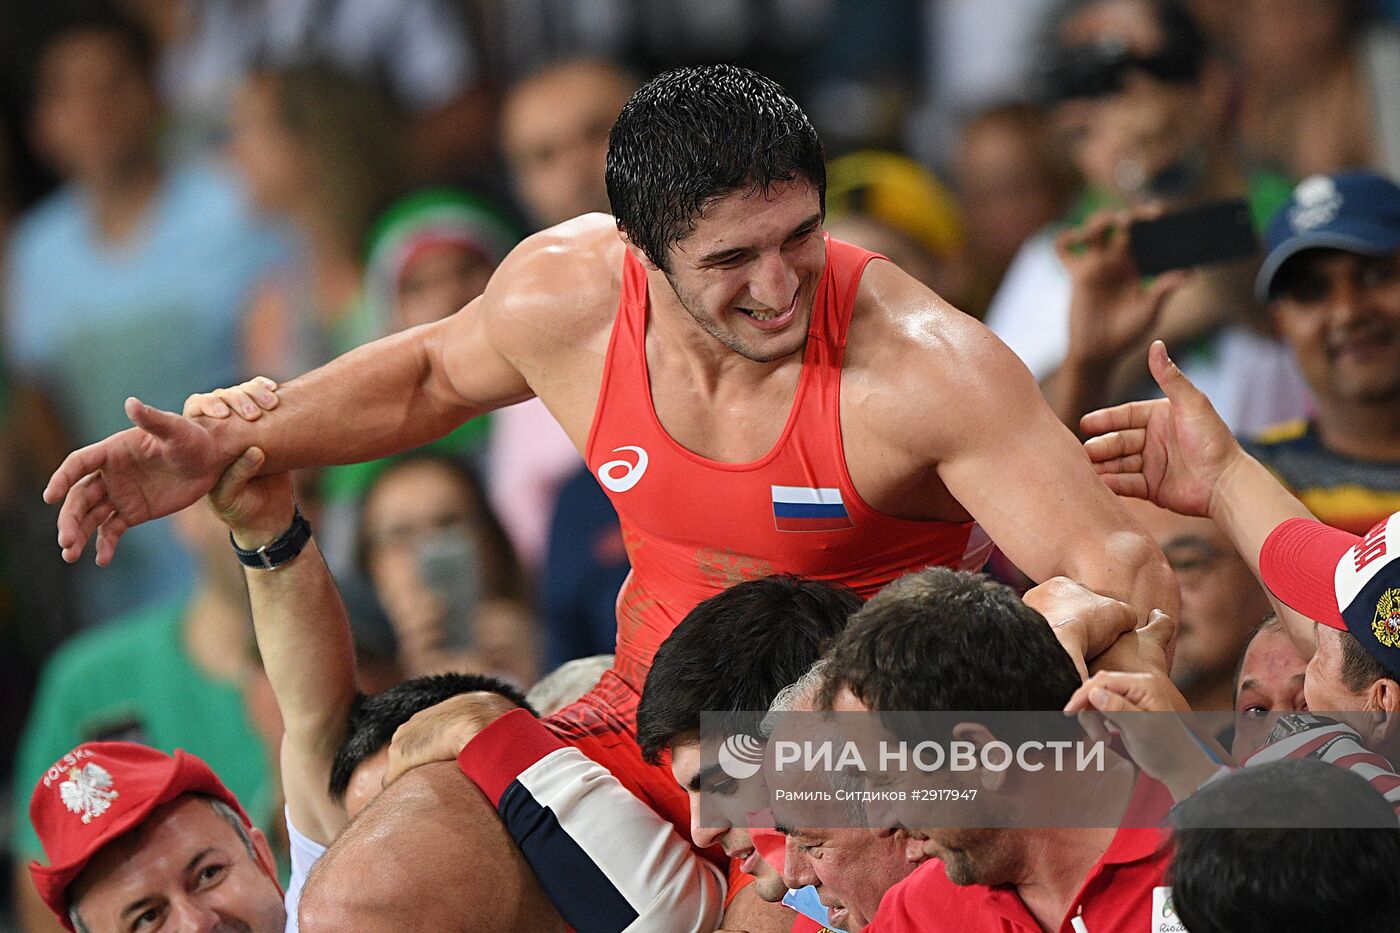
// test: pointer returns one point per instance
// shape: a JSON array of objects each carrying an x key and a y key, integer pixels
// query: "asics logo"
[{"x": 621, "y": 475}]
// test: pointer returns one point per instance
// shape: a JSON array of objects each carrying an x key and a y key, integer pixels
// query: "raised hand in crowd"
[
  {"x": 1178, "y": 453},
  {"x": 1145, "y": 709},
  {"x": 1111, "y": 309}
]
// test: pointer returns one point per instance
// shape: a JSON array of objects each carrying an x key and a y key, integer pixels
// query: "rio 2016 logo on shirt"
[
  {"x": 630, "y": 473},
  {"x": 740, "y": 756},
  {"x": 1164, "y": 912}
]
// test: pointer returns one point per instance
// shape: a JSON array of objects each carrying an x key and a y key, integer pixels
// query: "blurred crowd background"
[{"x": 193, "y": 192}]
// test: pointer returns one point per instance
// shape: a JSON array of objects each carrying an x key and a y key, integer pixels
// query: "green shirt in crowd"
[{"x": 133, "y": 679}]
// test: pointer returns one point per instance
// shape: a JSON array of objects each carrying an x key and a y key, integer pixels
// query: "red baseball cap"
[
  {"x": 100, "y": 791},
  {"x": 1339, "y": 580}
]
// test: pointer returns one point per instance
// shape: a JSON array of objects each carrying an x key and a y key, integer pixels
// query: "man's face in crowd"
[
  {"x": 1123, "y": 140},
  {"x": 734, "y": 840},
  {"x": 185, "y": 869},
  {"x": 852, "y": 868},
  {"x": 554, "y": 130},
  {"x": 1221, "y": 602},
  {"x": 94, "y": 107},
  {"x": 1270, "y": 683},
  {"x": 747, "y": 272},
  {"x": 1340, "y": 313}
]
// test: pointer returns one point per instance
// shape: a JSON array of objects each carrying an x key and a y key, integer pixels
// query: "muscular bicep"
[
  {"x": 1010, "y": 462},
  {"x": 465, "y": 351}
]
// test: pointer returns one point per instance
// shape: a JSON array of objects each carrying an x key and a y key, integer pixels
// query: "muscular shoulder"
[
  {"x": 910, "y": 354},
  {"x": 559, "y": 286}
]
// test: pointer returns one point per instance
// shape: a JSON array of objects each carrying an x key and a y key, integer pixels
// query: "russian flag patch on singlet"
[{"x": 803, "y": 508}]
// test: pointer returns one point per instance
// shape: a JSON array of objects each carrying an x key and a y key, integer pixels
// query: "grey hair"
[{"x": 801, "y": 692}]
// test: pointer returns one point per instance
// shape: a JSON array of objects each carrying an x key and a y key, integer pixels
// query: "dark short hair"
[
  {"x": 1360, "y": 668},
  {"x": 92, "y": 17},
  {"x": 692, "y": 135},
  {"x": 374, "y": 718},
  {"x": 735, "y": 651},
  {"x": 948, "y": 640},
  {"x": 1227, "y": 879}
]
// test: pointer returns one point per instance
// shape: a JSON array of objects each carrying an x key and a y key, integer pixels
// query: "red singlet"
[{"x": 695, "y": 526}]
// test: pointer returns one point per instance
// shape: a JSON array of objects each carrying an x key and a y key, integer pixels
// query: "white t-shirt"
[{"x": 305, "y": 853}]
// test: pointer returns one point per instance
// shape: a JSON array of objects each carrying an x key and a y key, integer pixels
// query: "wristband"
[{"x": 276, "y": 553}]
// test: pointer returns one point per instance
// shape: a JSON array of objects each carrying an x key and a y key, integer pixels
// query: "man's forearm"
[
  {"x": 304, "y": 638},
  {"x": 1247, "y": 504},
  {"x": 378, "y": 399}
]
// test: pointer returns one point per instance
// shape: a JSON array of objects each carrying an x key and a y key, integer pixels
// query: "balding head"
[{"x": 429, "y": 853}]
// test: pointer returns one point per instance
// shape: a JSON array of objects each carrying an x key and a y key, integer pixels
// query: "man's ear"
[
  {"x": 263, "y": 851},
  {"x": 1382, "y": 700},
  {"x": 980, "y": 736},
  {"x": 637, "y": 252}
]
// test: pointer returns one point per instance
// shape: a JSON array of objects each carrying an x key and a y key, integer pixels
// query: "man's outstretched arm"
[
  {"x": 390, "y": 395},
  {"x": 303, "y": 636}
]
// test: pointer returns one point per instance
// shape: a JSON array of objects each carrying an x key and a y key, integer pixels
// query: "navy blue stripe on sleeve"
[{"x": 584, "y": 896}]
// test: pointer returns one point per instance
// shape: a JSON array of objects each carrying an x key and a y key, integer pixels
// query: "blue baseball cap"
[{"x": 1354, "y": 211}]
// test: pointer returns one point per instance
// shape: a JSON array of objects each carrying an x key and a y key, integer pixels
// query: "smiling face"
[
  {"x": 747, "y": 272},
  {"x": 1340, "y": 313},
  {"x": 852, "y": 868},
  {"x": 736, "y": 841},
  {"x": 184, "y": 869}
]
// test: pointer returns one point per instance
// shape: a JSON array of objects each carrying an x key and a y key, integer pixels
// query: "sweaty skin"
[{"x": 542, "y": 328}]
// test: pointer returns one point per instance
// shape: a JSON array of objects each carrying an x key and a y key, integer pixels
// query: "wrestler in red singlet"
[{"x": 695, "y": 526}]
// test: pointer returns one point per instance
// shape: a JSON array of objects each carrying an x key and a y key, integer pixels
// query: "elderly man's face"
[
  {"x": 184, "y": 869},
  {"x": 852, "y": 868}
]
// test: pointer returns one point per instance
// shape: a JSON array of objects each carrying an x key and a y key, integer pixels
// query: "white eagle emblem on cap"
[
  {"x": 1316, "y": 201},
  {"x": 88, "y": 791}
]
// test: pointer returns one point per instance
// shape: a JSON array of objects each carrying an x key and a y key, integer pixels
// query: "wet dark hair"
[
  {"x": 696, "y": 134},
  {"x": 374, "y": 718}
]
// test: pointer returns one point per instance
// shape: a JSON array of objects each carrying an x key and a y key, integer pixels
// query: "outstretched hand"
[
  {"x": 1171, "y": 451},
  {"x": 162, "y": 465}
]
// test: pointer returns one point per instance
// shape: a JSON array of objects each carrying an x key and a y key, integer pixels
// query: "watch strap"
[{"x": 279, "y": 551}]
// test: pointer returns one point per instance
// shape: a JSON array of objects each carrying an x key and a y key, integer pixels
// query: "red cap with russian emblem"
[
  {"x": 98, "y": 792},
  {"x": 1339, "y": 580}
]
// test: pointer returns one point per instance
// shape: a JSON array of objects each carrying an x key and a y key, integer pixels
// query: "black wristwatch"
[{"x": 276, "y": 553}]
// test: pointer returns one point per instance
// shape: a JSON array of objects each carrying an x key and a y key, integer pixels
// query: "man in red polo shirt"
[{"x": 970, "y": 644}]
